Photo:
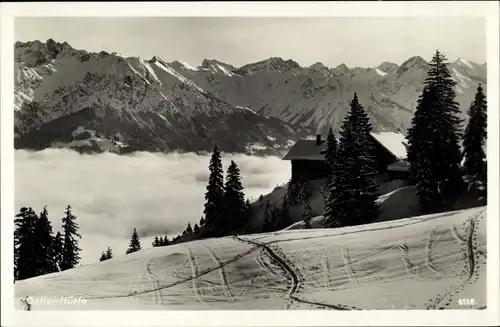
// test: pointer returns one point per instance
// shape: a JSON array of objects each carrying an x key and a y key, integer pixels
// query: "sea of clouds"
[{"x": 159, "y": 194}]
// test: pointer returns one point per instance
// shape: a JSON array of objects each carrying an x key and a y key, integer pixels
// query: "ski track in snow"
[
  {"x": 317, "y": 273},
  {"x": 470, "y": 266},
  {"x": 222, "y": 272}
]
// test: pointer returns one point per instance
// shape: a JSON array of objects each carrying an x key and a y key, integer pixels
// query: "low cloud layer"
[{"x": 156, "y": 193}]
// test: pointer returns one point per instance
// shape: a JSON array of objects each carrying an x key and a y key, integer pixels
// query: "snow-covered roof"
[{"x": 394, "y": 142}]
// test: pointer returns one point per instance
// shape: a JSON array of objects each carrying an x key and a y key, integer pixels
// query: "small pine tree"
[
  {"x": 165, "y": 240},
  {"x": 109, "y": 253},
  {"x": 57, "y": 250},
  {"x": 156, "y": 242},
  {"x": 267, "y": 224},
  {"x": 43, "y": 239},
  {"x": 307, "y": 215},
  {"x": 189, "y": 229},
  {"x": 161, "y": 241},
  {"x": 474, "y": 138},
  {"x": 202, "y": 221},
  {"x": 103, "y": 256},
  {"x": 24, "y": 245},
  {"x": 135, "y": 243},
  {"x": 71, "y": 250},
  {"x": 196, "y": 229},
  {"x": 283, "y": 219}
]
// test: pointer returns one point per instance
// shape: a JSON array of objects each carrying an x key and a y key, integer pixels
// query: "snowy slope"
[{"x": 426, "y": 262}]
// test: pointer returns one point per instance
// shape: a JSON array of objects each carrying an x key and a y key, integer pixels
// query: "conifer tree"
[
  {"x": 267, "y": 224},
  {"x": 156, "y": 242},
  {"x": 135, "y": 243},
  {"x": 103, "y": 257},
  {"x": 475, "y": 137},
  {"x": 202, "y": 221},
  {"x": 44, "y": 247},
  {"x": 307, "y": 215},
  {"x": 57, "y": 250},
  {"x": 24, "y": 244},
  {"x": 433, "y": 139},
  {"x": 109, "y": 253},
  {"x": 353, "y": 191},
  {"x": 214, "y": 205},
  {"x": 70, "y": 257},
  {"x": 330, "y": 152},
  {"x": 189, "y": 229},
  {"x": 235, "y": 213},
  {"x": 196, "y": 229},
  {"x": 161, "y": 241},
  {"x": 165, "y": 240},
  {"x": 283, "y": 218}
]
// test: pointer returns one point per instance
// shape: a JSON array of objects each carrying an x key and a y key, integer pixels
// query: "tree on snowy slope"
[
  {"x": 156, "y": 242},
  {"x": 214, "y": 205},
  {"x": 164, "y": 241},
  {"x": 283, "y": 218},
  {"x": 353, "y": 190},
  {"x": 434, "y": 151},
  {"x": 475, "y": 137},
  {"x": 44, "y": 248},
  {"x": 103, "y": 256},
  {"x": 24, "y": 245},
  {"x": 235, "y": 216},
  {"x": 196, "y": 229},
  {"x": 307, "y": 215},
  {"x": 135, "y": 243},
  {"x": 70, "y": 257},
  {"x": 267, "y": 224},
  {"x": 189, "y": 229},
  {"x": 57, "y": 250},
  {"x": 109, "y": 253}
]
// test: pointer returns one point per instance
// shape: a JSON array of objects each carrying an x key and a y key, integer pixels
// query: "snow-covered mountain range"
[{"x": 103, "y": 101}]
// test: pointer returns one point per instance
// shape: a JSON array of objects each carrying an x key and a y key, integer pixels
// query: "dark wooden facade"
[{"x": 309, "y": 169}]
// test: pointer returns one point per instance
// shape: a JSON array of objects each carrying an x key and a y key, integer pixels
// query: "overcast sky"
[{"x": 364, "y": 42}]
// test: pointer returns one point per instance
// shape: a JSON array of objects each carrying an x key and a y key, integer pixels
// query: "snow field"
[{"x": 428, "y": 262}]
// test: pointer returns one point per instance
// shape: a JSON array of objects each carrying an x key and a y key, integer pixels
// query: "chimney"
[{"x": 318, "y": 139}]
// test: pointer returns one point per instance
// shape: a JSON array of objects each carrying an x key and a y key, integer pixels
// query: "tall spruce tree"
[
  {"x": 214, "y": 205},
  {"x": 434, "y": 150},
  {"x": 165, "y": 240},
  {"x": 475, "y": 137},
  {"x": 135, "y": 243},
  {"x": 57, "y": 250},
  {"x": 44, "y": 244},
  {"x": 156, "y": 242},
  {"x": 307, "y": 215},
  {"x": 196, "y": 229},
  {"x": 70, "y": 256},
  {"x": 235, "y": 213},
  {"x": 25, "y": 263},
  {"x": 353, "y": 191}
]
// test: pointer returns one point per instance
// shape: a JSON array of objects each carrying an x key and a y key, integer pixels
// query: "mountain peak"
[
  {"x": 318, "y": 66},
  {"x": 274, "y": 64},
  {"x": 387, "y": 66}
]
